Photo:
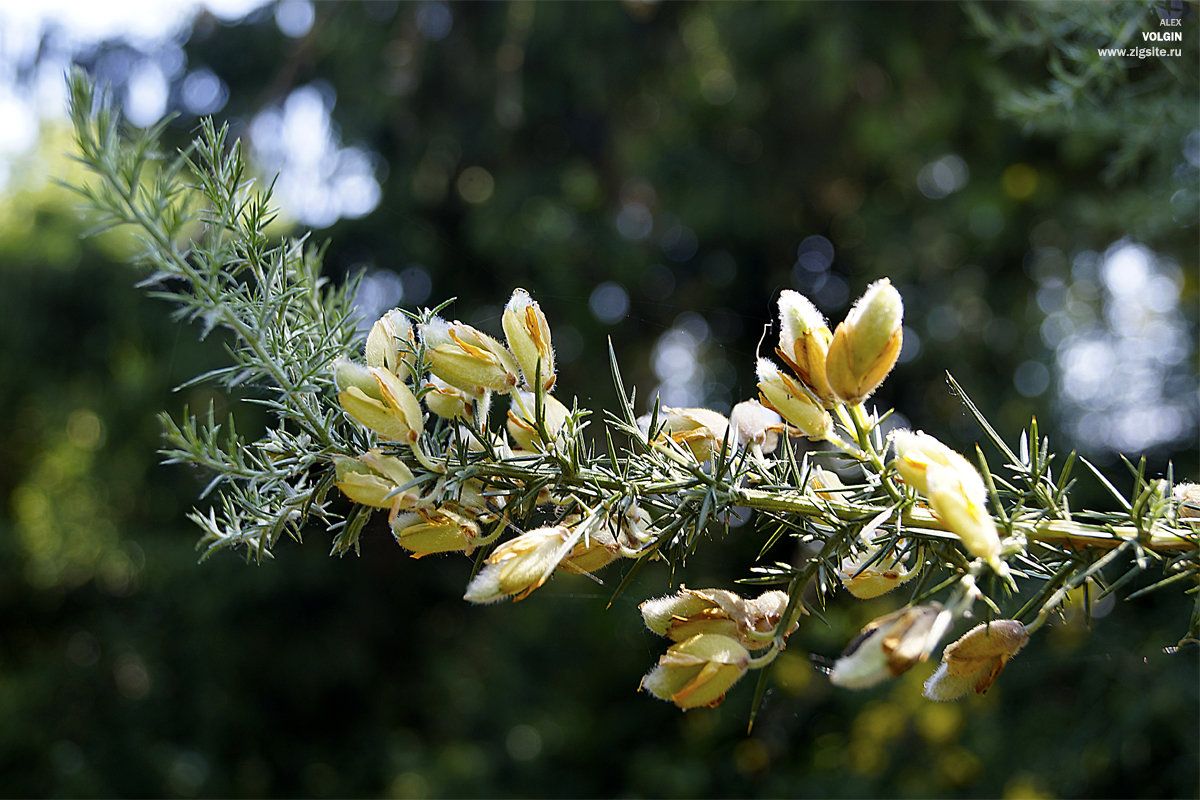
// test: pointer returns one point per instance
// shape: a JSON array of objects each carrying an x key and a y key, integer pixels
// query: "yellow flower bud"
[
  {"x": 890, "y": 646},
  {"x": 349, "y": 374},
  {"x": 916, "y": 452},
  {"x": 698, "y": 429},
  {"x": 519, "y": 566},
  {"x": 824, "y": 483},
  {"x": 438, "y": 531},
  {"x": 866, "y": 344},
  {"x": 591, "y": 553},
  {"x": 955, "y": 491},
  {"x": 755, "y": 424},
  {"x": 469, "y": 359},
  {"x": 690, "y": 612},
  {"x": 976, "y": 660},
  {"x": 371, "y": 477},
  {"x": 450, "y": 402},
  {"x": 877, "y": 579},
  {"x": 697, "y": 673},
  {"x": 391, "y": 344},
  {"x": 794, "y": 402},
  {"x": 957, "y": 501},
  {"x": 522, "y": 419},
  {"x": 804, "y": 343},
  {"x": 528, "y": 336},
  {"x": 392, "y": 411}
]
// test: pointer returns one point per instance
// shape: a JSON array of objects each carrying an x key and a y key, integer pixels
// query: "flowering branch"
[{"x": 467, "y": 444}]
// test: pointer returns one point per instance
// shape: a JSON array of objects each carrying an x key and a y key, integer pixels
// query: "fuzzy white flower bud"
[
  {"x": 891, "y": 645},
  {"x": 794, "y": 401},
  {"x": 754, "y": 423},
  {"x": 866, "y": 344},
  {"x": 697, "y": 673},
  {"x": 804, "y": 340},
  {"x": 528, "y": 335},
  {"x": 468, "y": 358},
  {"x": 976, "y": 660}
]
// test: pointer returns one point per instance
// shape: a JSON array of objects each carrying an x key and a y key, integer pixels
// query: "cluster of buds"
[
  {"x": 458, "y": 370},
  {"x": 578, "y": 545},
  {"x": 703, "y": 431},
  {"x": 713, "y": 633},
  {"x": 831, "y": 368},
  {"x": 453, "y": 371},
  {"x": 828, "y": 369},
  {"x": 894, "y": 643},
  {"x": 439, "y": 521}
]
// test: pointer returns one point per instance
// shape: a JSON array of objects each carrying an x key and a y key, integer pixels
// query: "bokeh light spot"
[
  {"x": 1020, "y": 181},
  {"x": 294, "y": 17},
  {"x": 85, "y": 429},
  {"x": 943, "y": 177},
  {"x": 475, "y": 185},
  {"x": 609, "y": 302},
  {"x": 523, "y": 742}
]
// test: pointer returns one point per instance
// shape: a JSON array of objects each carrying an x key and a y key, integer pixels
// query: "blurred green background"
[{"x": 653, "y": 173}]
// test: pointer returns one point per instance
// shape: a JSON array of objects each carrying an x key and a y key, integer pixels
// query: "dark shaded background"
[{"x": 684, "y": 155}]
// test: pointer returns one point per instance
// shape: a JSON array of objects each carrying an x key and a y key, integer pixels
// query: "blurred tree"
[{"x": 653, "y": 173}]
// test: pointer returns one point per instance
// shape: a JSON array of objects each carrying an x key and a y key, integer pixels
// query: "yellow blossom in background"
[
  {"x": 451, "y": 402},
  {"x": 755, "y": 424},
  {"x": 824, "y": 483},
  {"x": 700, "y": 430},
  {"x": 522, "y": 419},
  {"x": 591, "y": 553},
  {"x": 881, "y": 577},
  {"x": 440, "y": 530}
]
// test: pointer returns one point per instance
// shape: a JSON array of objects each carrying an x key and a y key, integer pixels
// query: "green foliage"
[
  {"x": 287, "y": 325},
  {"x": 1096, "y": 102}
]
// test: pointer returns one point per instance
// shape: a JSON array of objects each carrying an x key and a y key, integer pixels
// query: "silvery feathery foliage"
[{"x": 202, "y": 226}]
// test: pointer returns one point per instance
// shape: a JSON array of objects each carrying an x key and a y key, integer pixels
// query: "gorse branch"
[
  {"x": 206, "y": 250},
  {"x": 464, "y": 441}
]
